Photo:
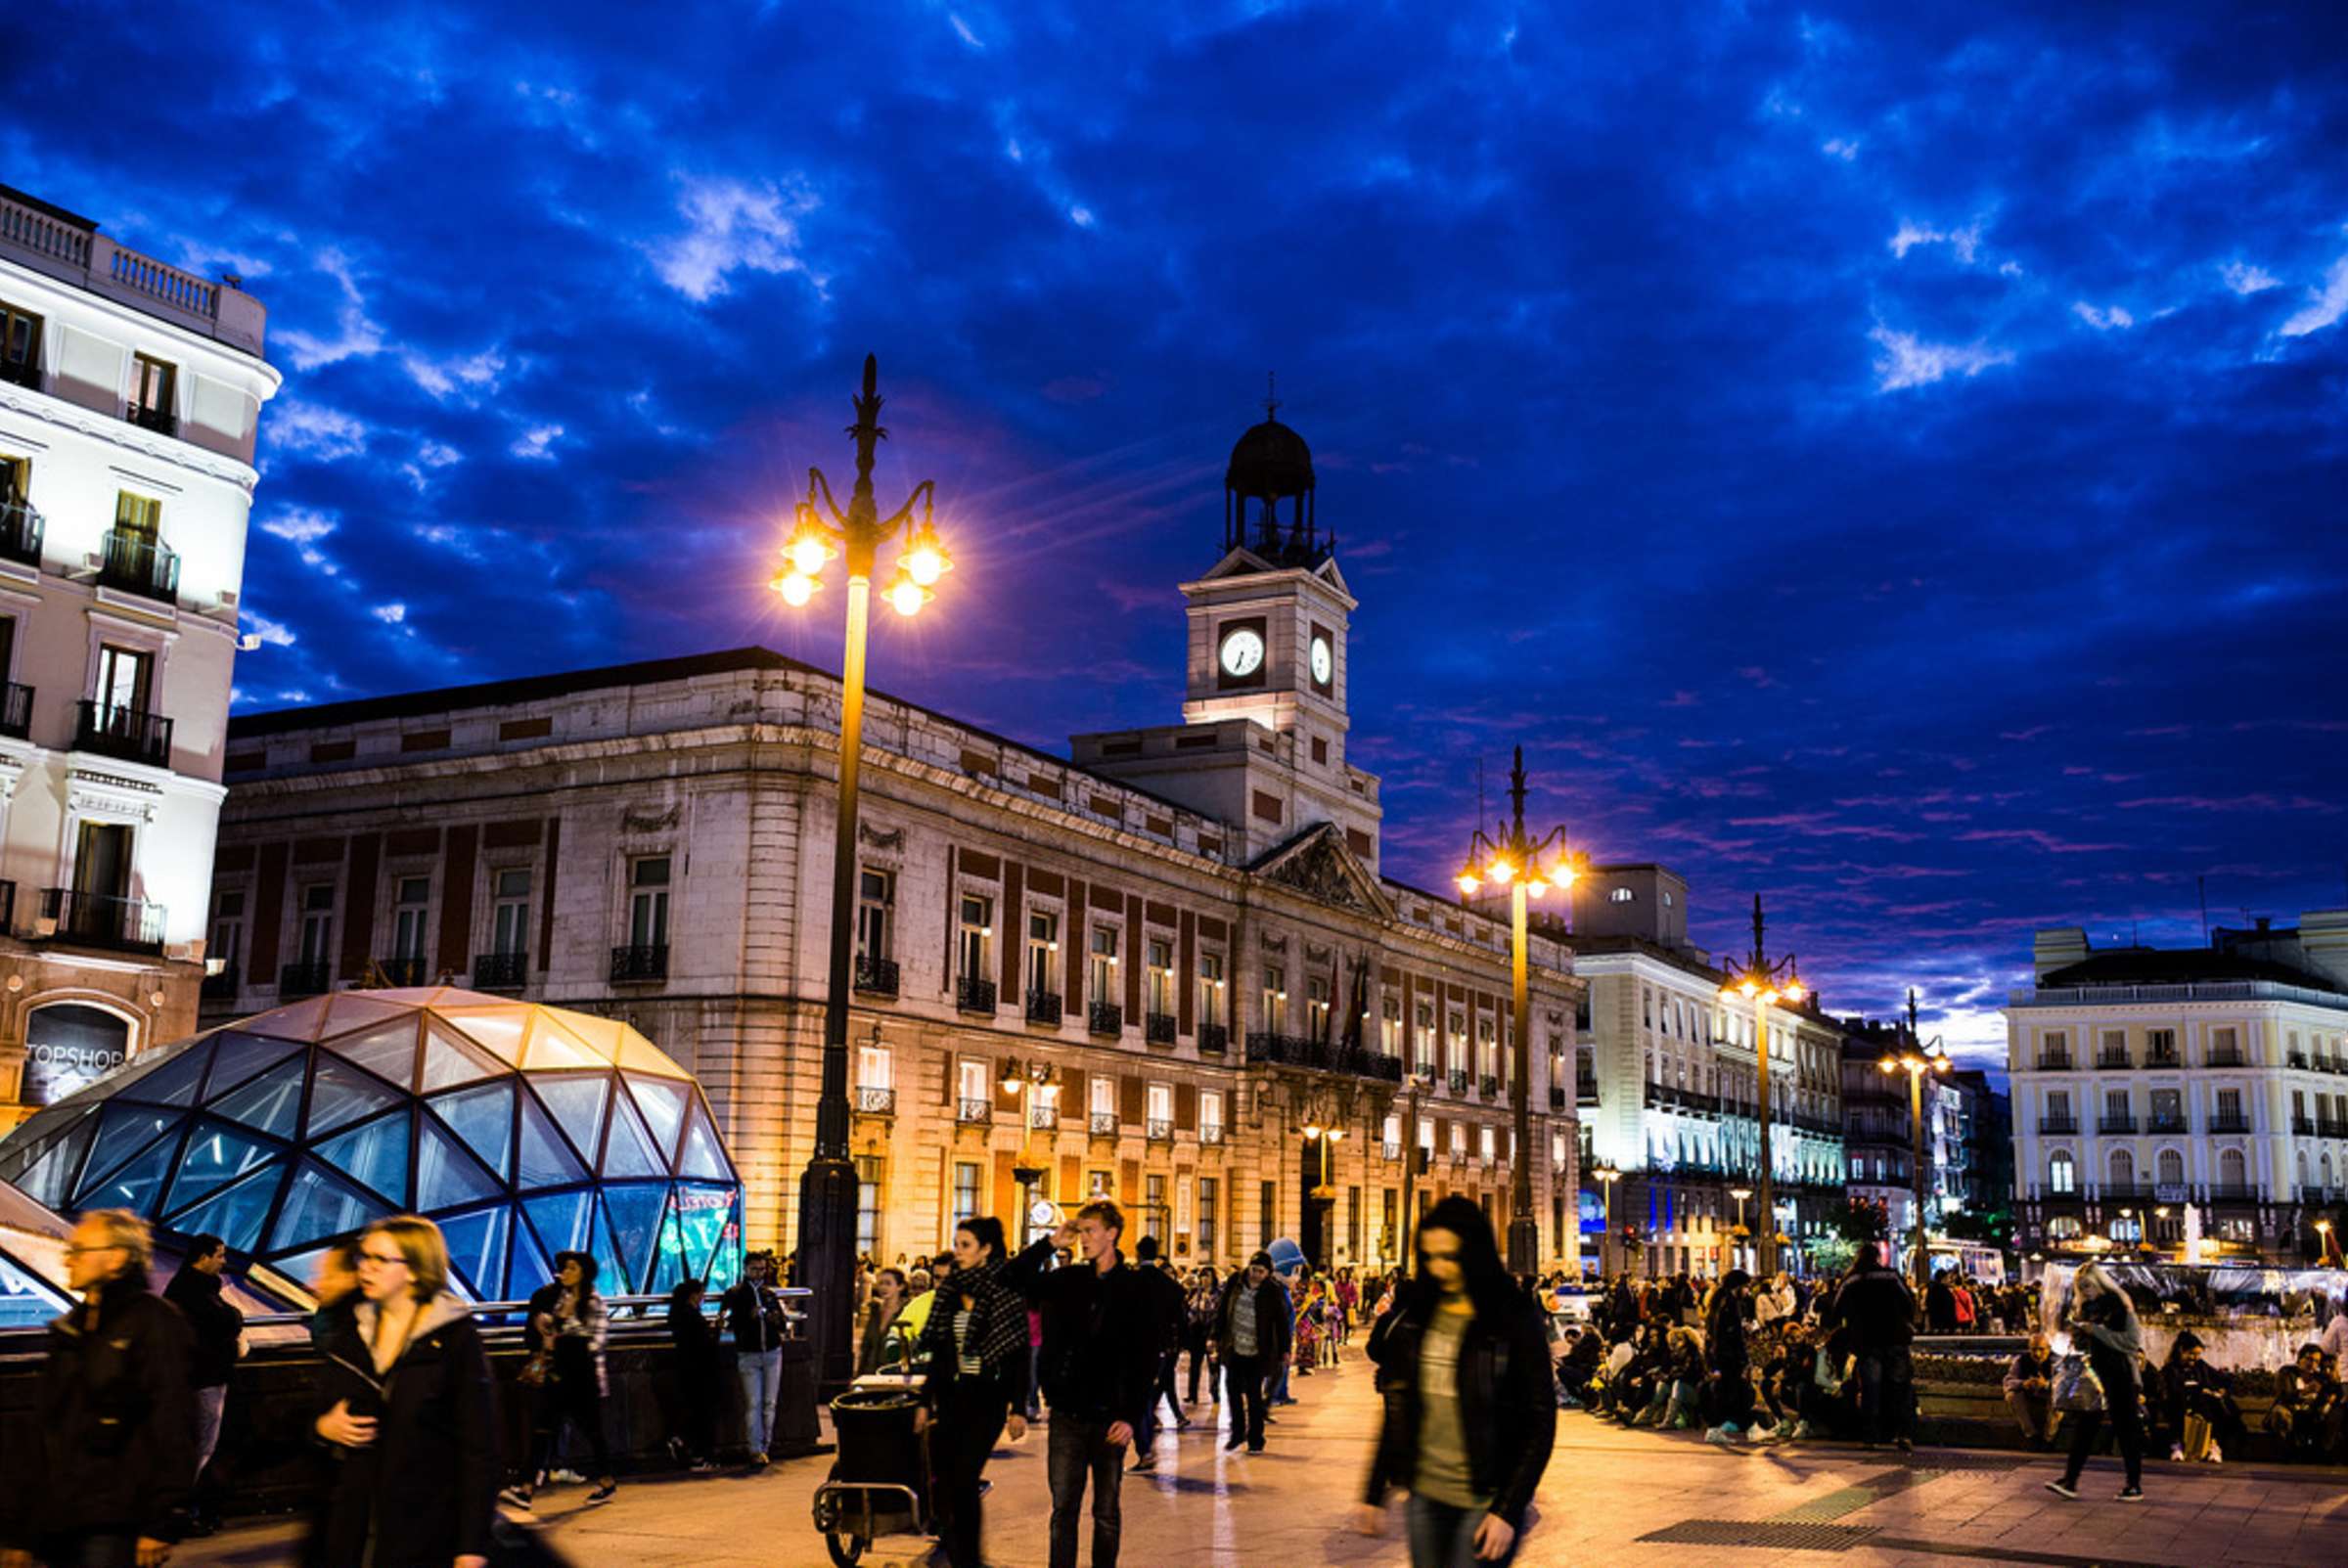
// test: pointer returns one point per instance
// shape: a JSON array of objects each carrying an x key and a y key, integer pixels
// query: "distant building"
[
  {"x": 130, "y": 396},
  {"x": 1983, "y": 1177},
  {"x": 2158, "y": 1091},
  {"x": 1878, "y": 1129}
]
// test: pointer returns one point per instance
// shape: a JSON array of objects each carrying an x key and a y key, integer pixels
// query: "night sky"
[{"x": 1888, "y": 457}]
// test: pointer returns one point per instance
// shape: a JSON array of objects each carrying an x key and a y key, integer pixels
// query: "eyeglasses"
[{"x": 387, "y": 1260}]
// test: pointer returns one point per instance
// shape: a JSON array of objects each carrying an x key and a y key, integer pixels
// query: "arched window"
[
  {"x": 2172, "y": 1168},
  {"x": 2123, "y": 1169},
  {"x": 2061, "y": 1175},
  {"x": 2233, "y": 1172}
]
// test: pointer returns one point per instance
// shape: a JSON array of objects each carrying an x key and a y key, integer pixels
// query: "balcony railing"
[
  {"x": 1210, "y": 1133},
  {"x": 1389, "y": 1151},
  {"x": 2229, "y": 1124},
  {"x": 870, "y": 1101},
  {"x": 2167, "y": 1124},
  {"x": 1585, "y": 1091},
  {"x": 101, "y": 920},
  {"x": 1104, "y": 1124},
  {"x": 2228, "y": 1059},
  {"x": 2054, "y": 1062},
  {"x": 1158, "y": 1028},
  {"x": 1044, "y": 1118},
  {"x": 2297, "y": 1058},
  {"x": 306, "y": 977},
  {"x": 406, "y": 972},
  {"x": 636, "y": 966},
  {"x": 1458, "y": 1081},
  {"x": 2330, "y": 1127},
  {"x": 226, "y": 985},
  {"x": 140, "y": 563},
  {"x": 973, "y": 995},
  {"x": 1488, "y": 1086},
  {"x": 875, "y": 977},
  {"x": 1105, "y": 1019},
  {"x": 499, "y": 971},
  {"x": 2304, "y": 1126},
  {"x": 1043, "y": 1007},
  {"x": 973, "y": 1112},
  {"x": 2112, "y": 1061},
  {"x": 111, "y": 729},
  {"x": 16, "y": 710},
  {"x": 2234, "y": 1192},
  {"x": 2164, "y": 1058},
  {"x": 22, "y": 527},
  {"x": 162, "y": 421},
  {"x": 1294, "y": 1051},
  {"x": 2059, "y": 1124},
  {"x": 2110, "y": 1126},
  {"x": 1158, "y": 1130},
  {"x": 1214, "y": 1040}
]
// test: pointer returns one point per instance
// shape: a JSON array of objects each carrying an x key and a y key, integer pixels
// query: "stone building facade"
[{"x": 1146, "y": 971}]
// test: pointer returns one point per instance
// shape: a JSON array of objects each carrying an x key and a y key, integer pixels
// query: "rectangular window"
[
  {"x": 1105, "y": 1095},
  {"x": 1488, "y": 1144},
  {"x": 1423, "y": 1044},
  {"x": 139, "y": 516},
  {"x": 2223, "y": 1046},
  {"x": 152, "y": 382},
  {"x": 317, "y": 923},
  {"x": 20, "y": 345},
  {"x": 1427, "y": 1134},
  {"x": 102, "y": 861},
  {"x": 868, "y": 1205},
  {"x": 1267, "y": 1214},
  {"x": 977, "y": 934},
  {"x": 1353, "y": 1222},
  {"x": 1161, "y": 976},
  {"x": 2058, "y": 1104},
  {"x": 1155, "y": 1220},
  {"x": 875, "y": 1068},
  {"x": 228, "y": 925},
  {"x": 1210, "y": 1191},
  {"x": 1316, "y": 1006},
  {"x": 1210, "y": 990},
  {"x": 510, "y": 915},
  {"x": 1487, "y": 1050},
  {"x": 1160, "y": 1102},
  {"x": 966, "y": 1194},
  {"x": 1275, "y": 999},
  {"x": 1097, "y": 1184},
  {"x": 1389, "y": 1026},
  {"x": 2229, "y": 1104},
  {"x": 1104, "y": 971},
  {"x": 972, "y": 1081},
  {"x": 1390, "y": 1244},
  {"x": 1043, "y": 947},
  {"x": 875, "y": 912},
  {"x": 410, "y": 909},
  {"x": 648, "y": 902},
  {"x": 122, "y": 676},
  {"x": 2116, "y": 1104},
  {"x": 1210, "y": 1114}
]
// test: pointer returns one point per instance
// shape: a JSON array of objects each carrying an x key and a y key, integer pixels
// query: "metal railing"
[
  {"x": 635, "y": 964},
  {"x": 1042, "y": 1118},
  {"x": 874, "y": 977},
  {"x": 2054, "y": 1062},
  {"x": 21, "y": 528},
  {"x": 103, "y": 919},
  {"x": 1295, "y": 1050},
  {"x": 1210, "y": 1133},
  {"x": 973, "y": 995},
  {"x": 1488, "y": 1086},
  {"x": 1389, "y": 1151},
  {"x": 21, "y": 371},
  {"x": 876, "y": 1101},
  {"x": 404, "y": 973},
  {"x": 2112, "y": 1061},
  {"x": 2109, "y": 1126},
  {"x": 1214, "y": 1040},
  {"x": 1044, "y": 1007},
  {"x": 1158, "y": 1130},
  {"x": 1457, "y": 1081},
  {"x": 1158, "y": 1028},
  {"x": 2228, "y": 1059},
  {"x": 140, "y": 563},
  {"x": 1104, "y": 1124},
  {"x": 2168, "y": 1124},
  {"x": 499, "y": 971},
  {"x": 1105, "y": 1019},
  {"x": 306, "y": 977},
  {"x": 973, "y": 1112},
  {"x": 125, "y": 733},
  {"x": 2080, "y": 996},
  {"x": 2229, "y": 1124}
]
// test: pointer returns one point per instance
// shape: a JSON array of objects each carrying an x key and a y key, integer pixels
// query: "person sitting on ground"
[
  {"x": 2189, "y": 1390},
  {"x": 2030, "y": 1393},
  {"x": 1677, "y": 1401},
  {"x": 1578, "y": 1367},
  {"x": 2306, "y": 1417}
]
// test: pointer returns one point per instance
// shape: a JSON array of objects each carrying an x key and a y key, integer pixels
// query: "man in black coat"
[
  {"x": 1876, "y": 1312},
  {"x": 1250, "y": 1337},
  {"x": 219, "y": 1330},
  {"x": 1172, "y": 1317},
  {"x": 107, "y": 1478},
  {"x": 1099, "y": 1366}
]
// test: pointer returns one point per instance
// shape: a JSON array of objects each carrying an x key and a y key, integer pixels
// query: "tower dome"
[{"x": 1271, "y": 463}]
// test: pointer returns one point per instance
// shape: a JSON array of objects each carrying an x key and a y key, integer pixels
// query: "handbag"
[
  {"x": 2197, "y": 1438},
  {"x": 2076, "y": 1385}
]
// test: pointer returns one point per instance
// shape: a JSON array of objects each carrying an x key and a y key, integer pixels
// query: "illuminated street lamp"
[
  {"x": 1327, "y": 1138},
  {"x": 2325, "y": 1251},
  {"x": 1761, "y": 984},
  {"x": 827, "y": 1232},
  {"x": 1919, "y": 1062},
  {"x": 1528, "y": 868},
  {"x": 1607, "y": 1176}
]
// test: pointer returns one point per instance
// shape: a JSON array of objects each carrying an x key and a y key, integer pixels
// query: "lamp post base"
[
  {"x": 1524, "y": 1245},
  {"x": 827, "y": 1266}
]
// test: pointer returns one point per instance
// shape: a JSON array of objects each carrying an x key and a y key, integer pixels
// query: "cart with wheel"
[{"x": 879, "y": 1480}]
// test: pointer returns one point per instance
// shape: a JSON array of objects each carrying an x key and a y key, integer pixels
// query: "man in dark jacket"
[
  {"x": 1877, "y": 1313},
  {"x": 753, "y": 1314},
  {"x": 1171, "y": 1317},
  {"x": 1249, "y": 1336},
  {"x": 1100, "y": 1364},
  {"x": 106, "y": 1475},
  {"x": 219, "y": 1330},
  {"x": 1940, "y": 1305}
]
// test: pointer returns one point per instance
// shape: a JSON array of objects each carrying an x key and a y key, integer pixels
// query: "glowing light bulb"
[
  {"x": 1503, "y": 873},
  {"x": 808, "y": 554},
  {"x": 907, "y": 597},
  {"x": 796, "y": 587},
  {"x": 926, "y": 558},
  {"x": 1469, "y": 883}
]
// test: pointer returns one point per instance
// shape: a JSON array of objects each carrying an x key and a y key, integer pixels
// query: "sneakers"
[
  {"x": 2067, "y": 1491},
  {"x": 759, "y": 1460},
  {"x": 1256, "y": 1447},
  {"x": 1723, "y": 1436},
  {"x": 603, "y": 1494},
  {"x": 2177, "y": 1451},
  {"x": 567, "y": 1477},
  {"x": 1906, "y": 1445},
  {"x": 1145, "y": 1462},
  {"x": 2132, "y": 1494},
  {"x": 702, "y": 1467},
  {"x": 2215, "y": 1455},
  {"x": 516, "y": 1498}
]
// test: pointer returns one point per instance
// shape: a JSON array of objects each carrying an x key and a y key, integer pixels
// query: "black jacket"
[
  {"x": 1275, "y": 1325},
  {"x": 1100, "y": 1355},
  {"x": 1507, "y": 1404},
  {"x": 997, "y": 1336},
  {"x": 427, "y": 1487},
  {"x": 1940, "y": 1307},
  {"x": 1877, "y": 1309},
  {"x": 111, "y": 1449},
  {"x": 211, "y": 1321},
  {"x": 753, "y": 1316},
  {"x": 1172, "y": 1305}
]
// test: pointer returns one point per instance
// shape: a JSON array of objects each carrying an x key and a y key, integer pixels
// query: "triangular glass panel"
[
  {"x": 578, "y": 1107},
  {"x": 38, "y": 1134},
  {"x": 498, "y": 1026},
  {"x": 702, "y": 1156},
  {"x": 340, "y": 1094},
  {"x": 629, "y": 1150},
  {"x": 270, "y": 1103},
  {"x": 531, "y": 1268},
  {"x": 610, "y": 1267},
  {"x": 136, "y": 1186},
  {"x": 483, "y": 1117},
  {"x": 724, "y": 1269},
  {"x": 704, "y": 1215},
  {"x": 357, "y": 1009},
  {"x": 171, "y": 1083},
  {"x": 445, "y": 1174},
  {"x": 546, "y": 1161},
  {"x": 449, "y": 1058},
  {"x": 235, "y": 1213},
  {"x": 374, "y": 1154},
  {"x": 560, "y": 1219},
  {"x": 668, "y": 1258},
  {"x": 216, "y": 1155},
  {"x": 297, "y": 1020},
  {"x": 301, "y": 1267},
  {"x": 601, "y": 1035},
  {"x": 320, "y": 1205},
  {"x": 633, "y": 1209},
  {"x": 123, "y": 1131},
  {"x": 51, "y": 1174},
  {"x": 477, "y": 1246},
  {"x": 662, "y": 1102},
  {"x": 387, "y": 1050},
  {"x": 638, "y": 1054},
  {"x": 238, "y": 1058},
  {"x": 553, "y": 1046}
]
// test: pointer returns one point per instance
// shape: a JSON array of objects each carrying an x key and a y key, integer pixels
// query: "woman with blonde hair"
[
  {"x": 2103, "y": 1324},
  {"x": 406, "y": 1397}
]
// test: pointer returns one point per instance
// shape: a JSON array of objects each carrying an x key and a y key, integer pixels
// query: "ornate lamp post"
[
  {"x": 1528, "y": 868},
  {"x": 1607, "y": 1176},
  {"x": 1323, "y": 1193},
  {"x": 827, "y": 1232},
  {"x": 1917, "y": 1061},
  {"x": 1761, "y": 984},
  {"x": 1740, "y": 1193}
]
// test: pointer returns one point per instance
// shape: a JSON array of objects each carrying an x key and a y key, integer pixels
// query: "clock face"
[
  {"x": 1242, "y": 651},
  {"x": 1321, "y": 659}
]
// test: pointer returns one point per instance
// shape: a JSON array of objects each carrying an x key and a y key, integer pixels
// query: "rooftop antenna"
[
  {"x": 1271, "y": 394},
  {"x": 2201, "y": 883}
]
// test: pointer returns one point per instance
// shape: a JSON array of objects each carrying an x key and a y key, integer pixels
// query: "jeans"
[
  {"x": 1279, "y": 1385},
  {"x": 1246, "y": 1402},
  {"x": 761, "y": 1373},
  {"x": 959, "y": 1441},
  {"x": 1164, "y": 1389},
  {"x": 1197, "y": 1349},
  {"x": 1886, "y": 1394},
  {"x": 1442, "y": 1534},
  {"x": 1080, "y": 1449},
  {"x": 210, "y": 1402}
]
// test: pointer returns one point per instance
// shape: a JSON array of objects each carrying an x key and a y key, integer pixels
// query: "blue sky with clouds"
[{"x": 1887, "y": 456}]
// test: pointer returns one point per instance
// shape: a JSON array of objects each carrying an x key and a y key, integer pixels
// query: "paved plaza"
[{"x": 1611, "y": 1497}]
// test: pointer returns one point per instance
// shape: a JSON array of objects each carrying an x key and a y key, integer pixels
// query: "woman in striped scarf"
[{"x": 976, "y": 1342}]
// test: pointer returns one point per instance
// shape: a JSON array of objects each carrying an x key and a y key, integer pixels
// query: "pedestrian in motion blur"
[
  {"x": 977, "y": 1349},
  {"x": 105, "y": 1476},
  {"x": 1250, "y": 1339},
  {"x": 218, "y": 1328},
  {"x": 2104, "y": 1324},
  {"x": 1471, "y": 1409}
]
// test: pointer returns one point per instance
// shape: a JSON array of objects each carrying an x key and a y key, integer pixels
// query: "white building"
[
  {"x": 2157, "y": 1087},
  {"x": 130, "y": 395}
]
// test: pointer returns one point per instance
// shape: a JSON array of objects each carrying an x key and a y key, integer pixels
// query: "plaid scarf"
[{"x": 998, "y": 1333}]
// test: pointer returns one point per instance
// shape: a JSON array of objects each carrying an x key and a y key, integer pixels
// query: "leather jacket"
[{"x": 1507, "y": 1404}]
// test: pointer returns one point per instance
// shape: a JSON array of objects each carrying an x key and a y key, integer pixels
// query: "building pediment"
[{"x": 1316, "y": 863}]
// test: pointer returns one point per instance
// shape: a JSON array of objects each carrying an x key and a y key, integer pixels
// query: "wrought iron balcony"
[
  {"x": 2054, "y": 1062},
  {"x": 637, "y": 965},
  {"x": 2112, "y": 1061},
  {"x": 1158, "y": 1028},
  {"x": 1488, "y": 1086},
  {"x": 2164, "y": 1058},
  {"x": 1210, "y": 1133},
  {"x": 874, "y": 977},
  {"x": 101, "y": 920},
  {"x": 1158, "y": 1130},
  {"x": 499, "y": 971},
  {"x": 874, "y": 1102},
  {"x": 1043, "y": 1117},
  {"x": 22, "y": 527},
  {"x": 2229, "y": 1124},
  {"x": 111, "y": 729},
  {"x": 2304, "y": 1126},
  {"x": 1585, "y": 1091},
  {"x": 1294, "y": 1051},
  {"x": 2228, "y": 1059},
  {"x": 973, "y": 995},
  {"x": 1214, "y": 1040},
  {"x": 1104, "y": 1124},
  {"x": 1043, "y": 1007},
  {"x": 226, "y": 985},
  {"x": 162, "y": 421},
  {"x": 1389, "y": 1151},
  {"x": 2234, "y": 1192},
  {"x": 2297, "y": 1058},
  {"x": 306, "y": 977},
  {"x": 973, "y": 1112},
  {"x": 1105, "y": 1019},
  {"x": 140, "y": 563},
  {"x": 409, "y": 972},
  {"x": 1556, "y": 1097},
  {"x": 2167, "y": 1124},
  {"x": 16, "y": 710},
  {"x": 1458, "y": 1081},
  {"x": 2109, "y": 1126}
]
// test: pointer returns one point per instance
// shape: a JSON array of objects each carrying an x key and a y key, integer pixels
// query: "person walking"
[
  {"x": 1199, "y": 1311},
  {"x": 976, "y": 1345},
  {"x": 754, "y": 1314},
  {"x": 1250, "y": 1339},
  {"x": 1463, "y": 1363},
  {"x": 1876, "y": 1312},
  {"x": 336, "y": 1288},
  {"x": 699, "y": 1357},
  {"x": 105, "y": 1475},
  {"x": 1171, "y": 1314},
  {"x": 407, "y": 1398},
  {"x": 569, "y": 1324},
  {"x": 1099, "y": 1361},
  {"x": 2103, "y": 1324},
  {"x": 217, "y": 1331}
]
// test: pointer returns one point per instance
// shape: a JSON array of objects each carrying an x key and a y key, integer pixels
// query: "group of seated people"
[
  {"x": 2191, "y": 1406},
  {"x": 1661, "y": 1378}
]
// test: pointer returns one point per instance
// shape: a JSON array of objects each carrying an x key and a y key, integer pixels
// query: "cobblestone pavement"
[{"x": 1611, "y": 1497}]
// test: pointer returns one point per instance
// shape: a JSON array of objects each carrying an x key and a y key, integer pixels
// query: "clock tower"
[{"x": 1262, "y": 742}]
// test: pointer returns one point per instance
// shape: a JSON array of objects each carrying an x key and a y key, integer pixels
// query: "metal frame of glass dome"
[{"x": 522, "y": 1130}]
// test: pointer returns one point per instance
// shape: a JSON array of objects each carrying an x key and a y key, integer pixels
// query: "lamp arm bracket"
[{"x": 816, "y": 483}]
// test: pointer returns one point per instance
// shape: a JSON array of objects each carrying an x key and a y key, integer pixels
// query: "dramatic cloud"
[
  {"x": 1909, "y": 360},
  {"x": 2324, "y": 305}
]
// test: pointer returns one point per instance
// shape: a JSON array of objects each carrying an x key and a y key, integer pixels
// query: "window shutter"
[
  {"x": 1072, "y": 1100},
  {"x": 1186, "y": 1107},
  {"x": 1129, "y": 1100}
]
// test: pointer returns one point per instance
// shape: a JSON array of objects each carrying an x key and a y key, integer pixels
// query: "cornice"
[{"x": 123, "y": 434}]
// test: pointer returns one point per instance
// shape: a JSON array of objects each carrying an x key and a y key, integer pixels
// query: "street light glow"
[
  {"x": 796, "y": 588},
  {"x": 905, "y": 596}
]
